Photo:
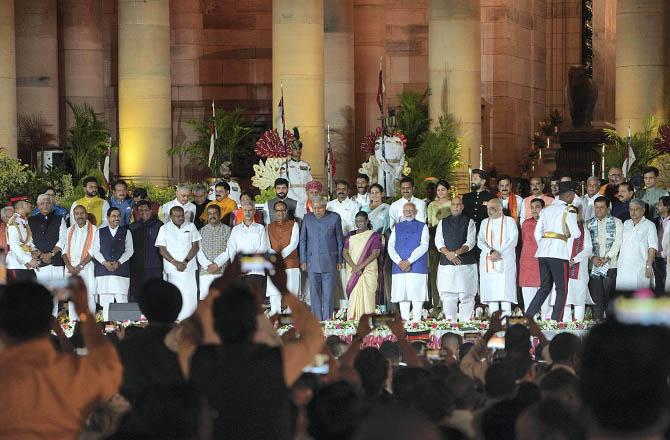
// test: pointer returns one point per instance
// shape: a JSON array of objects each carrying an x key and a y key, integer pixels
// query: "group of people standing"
[{"x": 560, "y": 251}]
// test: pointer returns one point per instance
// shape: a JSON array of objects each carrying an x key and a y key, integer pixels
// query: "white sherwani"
[
  {"x": 497, "y": 280},
  {"x": 75, "y": 249},
  {"x": 395, "y": 210},
  {"x": 178, "y": 242},
  {"x": 631, "y": 267},
  {"x": 409, "y": 286}
]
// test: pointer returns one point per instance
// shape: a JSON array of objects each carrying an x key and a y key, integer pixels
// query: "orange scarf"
[
  {"x": 511, "y": 205},
  {"x": 87, "y": 243}
]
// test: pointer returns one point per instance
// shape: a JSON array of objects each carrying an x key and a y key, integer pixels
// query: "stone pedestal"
[
  {"x": 579, "y": 148},
  {"x": 297, "y": 62},
  {"x": 145, "y": 132},
  {"x": 7, "y": 78}
]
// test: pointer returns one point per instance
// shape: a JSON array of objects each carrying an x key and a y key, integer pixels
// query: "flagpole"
[
  {"x": 328, "y": 163},
  {"x": 383, "y": 145},
  {"x": 283, "y": 129}
]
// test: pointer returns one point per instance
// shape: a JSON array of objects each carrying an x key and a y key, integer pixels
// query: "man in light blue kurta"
[{"x": 321, "y": 243}]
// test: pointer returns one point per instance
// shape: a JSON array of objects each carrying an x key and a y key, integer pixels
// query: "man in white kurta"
[
  {"x": 77, "y": 255},
  {"x": 497, "y": 239},
  {"x": 283, "y": 238},
  {"x": 178, "y": 242},
  {"x": 249, "y": 237},
  {"x": 213, "y": 253},
  {"x": 111, "y": 287},
  {"x": 455, "y": 238},
  {"x": 362, "y": 190},
  {"x": 638, "y": 250},
  {"x": 407, "y": 191},
  {"x": 181, "y": 199},
  {"x": 408, "y": 249}
]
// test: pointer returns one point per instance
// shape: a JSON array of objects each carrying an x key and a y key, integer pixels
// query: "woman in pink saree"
[{"x": 361, "y": 249}]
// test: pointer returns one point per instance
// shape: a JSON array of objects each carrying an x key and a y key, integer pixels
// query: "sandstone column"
[
  {"x": 642, "y": 62},
  {"x": 339, "y": 82},
  {"x": 369, "y": 47},
  {"x": 145, "y": 132},
  {"x": 297, "y": 61},
  {"x": 7, "y": 79},
  {"x": 82, "y": 54},
  {"x": 37, "y": 61},
  {"x": 454, "y": 69}
]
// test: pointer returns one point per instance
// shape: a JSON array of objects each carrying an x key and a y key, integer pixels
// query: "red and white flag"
[
  {"x": 629, "y": 155},
  {"x": 380, "y": 88},
  {"x": 105, "y": 164},
  {"x": 213, "y": 135}
]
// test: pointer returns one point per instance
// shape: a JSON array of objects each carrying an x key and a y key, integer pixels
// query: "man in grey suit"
[{"x": 321, "y": 243}]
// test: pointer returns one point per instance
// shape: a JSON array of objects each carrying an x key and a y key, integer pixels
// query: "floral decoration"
[{"x": 271, "y": 145}]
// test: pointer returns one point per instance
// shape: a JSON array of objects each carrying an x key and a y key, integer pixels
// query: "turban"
[{"x": 314, "y": 184}]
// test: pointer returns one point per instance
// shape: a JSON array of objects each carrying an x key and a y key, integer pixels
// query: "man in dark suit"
[
  {"x": 321, "y": 243},
  {"x": 145, "y": 357},
  {"x": 475, "y": 201}
]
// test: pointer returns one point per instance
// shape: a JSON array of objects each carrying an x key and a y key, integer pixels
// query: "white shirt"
[
  {"x": 347, "y": 210},
  {"x": 245, "y": 239},
  {"x": 292, "y": 245},
  {"x": 164, "y": 211},
  {"x": 588, "y": 209},
  {"x": 520, "y": 206},
  {"x": 416, "y": 253},
  {"x": 178, "y": 242},
  {"x": 395, "y": 211},
  {"x": 17, "y": 258},
  {"x": 631, "y": 267},
  {"x": 75, "y": 240},
  {"x": 470, "y": 241},
  {"x": 127, "y": 253},
  {"x": 551, "y": 220},
  {"x": 362, "y": 199}
]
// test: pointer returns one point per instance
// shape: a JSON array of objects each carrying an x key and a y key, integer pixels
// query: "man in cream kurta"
[
  {"x": 77, "y": 255},
  {"x": 181, "y": 199},
  {"x": 213, "y": 252},
  {"x": 396, "y": 211},
  {"x": 408, "y": 249},
  {"x": 497, "y": 239},
  {"x": 178, "y": 242},
  {"x": 638, "y": 250}
]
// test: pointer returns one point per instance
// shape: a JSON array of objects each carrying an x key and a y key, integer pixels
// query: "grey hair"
[
  {"x": 597, "y": 179},
  {"x": 409, "y": 203},
  {"x": 639, "y": 203},
  {"x": 495, "y": 201},
  {"x": 43, "y": 197},
  {"x": 5, "y": 212},
  {"x": 200, "y": 187},
  {"x": 318, "y": 200},
  {"x": 183, "y": 187}
]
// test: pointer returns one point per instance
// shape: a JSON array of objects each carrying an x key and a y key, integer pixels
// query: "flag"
[
  {"x": 380, "y": 88},
  {"x": 213, "y": 135},
  {"x": 279, "y": 123},
  {"x": 105, "y": 164},
  {"x": 629, "y": 156},
  {"x": 332, "y": 162}
]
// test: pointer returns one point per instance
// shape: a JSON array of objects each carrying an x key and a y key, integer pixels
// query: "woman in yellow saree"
[{"x": 361, "y": 250}]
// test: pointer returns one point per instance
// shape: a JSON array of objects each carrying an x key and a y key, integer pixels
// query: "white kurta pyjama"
[
  {"x": 457, "y": 279},
  {"x": 112, "y": 288},
  {"x": 292, "y": 275},
  {"x": 178, "y": 242},
  {"x": 409, "y": 286},
  {"x": 631, "y": 267},
  {"x": 497, "y": 283},
  {"x": 164, "y": 211},
  {"x": 396, "y": 210}
]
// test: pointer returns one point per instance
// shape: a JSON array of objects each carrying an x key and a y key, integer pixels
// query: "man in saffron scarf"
[
  {"x": 361, "y": 249},
  {"x": 512, "y": 204},
  {"x": 497, "y": 239},
  {"x": 283, "y": 238},
  {"x": 77, "y": 255}
]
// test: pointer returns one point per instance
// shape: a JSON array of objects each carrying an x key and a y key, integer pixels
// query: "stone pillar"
[
  {"x": 7, "y": 79},
  {"x": 454, "y": 70},
  {"x": 369, "y": 47},
  {"x": 82, "y": 55},
  {"x": 339, "y": 82},
  {"x": 642, "y": 62},
  {"x": 37, "y": 61},
  {"x": 297, "y": 62},
  {"x": 145, "y": 130}
]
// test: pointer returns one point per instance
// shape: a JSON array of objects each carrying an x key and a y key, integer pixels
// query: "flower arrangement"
[
  {"x": 369, "y": 141},
  {"x": 265, "y": 173},
  {"x": 272, "y": 145}
]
